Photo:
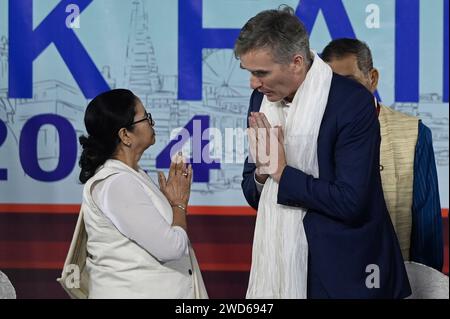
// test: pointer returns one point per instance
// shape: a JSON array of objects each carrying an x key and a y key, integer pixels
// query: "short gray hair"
[
  {"x": 341, "y": 48},
  {"x": 280, "y": 31}
]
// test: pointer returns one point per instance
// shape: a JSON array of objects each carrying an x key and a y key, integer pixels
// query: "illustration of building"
[
  {"x": 3, "y": 62},
  {"x": 50, "y": 97},
  {"x": 438, "y": 126},
  {"x": 225, "y": 103},
  {"x": 141, "y": 71}
]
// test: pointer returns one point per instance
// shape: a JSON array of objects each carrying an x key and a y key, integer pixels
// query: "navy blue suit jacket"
[{"x": 348, "y": 228}]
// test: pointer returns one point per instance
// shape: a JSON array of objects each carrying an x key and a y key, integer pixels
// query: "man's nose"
[{"x": 255, "y": 83}]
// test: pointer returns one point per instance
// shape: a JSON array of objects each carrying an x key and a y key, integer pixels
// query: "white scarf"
[{"x": 280, "y": 249}]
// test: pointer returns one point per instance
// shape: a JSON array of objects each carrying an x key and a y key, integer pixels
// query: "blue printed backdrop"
[{"x": 177, "y": 57}]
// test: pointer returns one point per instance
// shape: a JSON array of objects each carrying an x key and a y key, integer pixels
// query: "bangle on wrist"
[{"x": 180, "y": 207}]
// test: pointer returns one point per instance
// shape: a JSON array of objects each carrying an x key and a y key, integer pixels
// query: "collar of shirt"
[
  {"x": 377, "y": 105},
  {"x": 284, "y": 102}
]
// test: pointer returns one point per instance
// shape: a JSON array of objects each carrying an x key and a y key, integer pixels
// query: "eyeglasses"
[{"x": 148, "y": 117}]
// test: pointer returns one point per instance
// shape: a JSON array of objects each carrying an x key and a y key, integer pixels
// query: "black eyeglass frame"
[{"x": 148, "y": 117}]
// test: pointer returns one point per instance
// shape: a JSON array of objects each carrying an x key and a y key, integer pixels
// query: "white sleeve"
[{"x": 123, "y": 200}]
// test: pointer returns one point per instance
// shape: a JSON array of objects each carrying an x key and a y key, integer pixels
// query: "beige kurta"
[{"x": 398, "y": 143}]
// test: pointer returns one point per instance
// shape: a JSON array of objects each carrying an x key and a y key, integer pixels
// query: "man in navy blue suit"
[{"x": 351, "y": 247}]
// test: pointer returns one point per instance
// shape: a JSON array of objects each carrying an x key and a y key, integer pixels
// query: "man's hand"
[
  {"x": 281, "y": 155},
  {"x": 266, "y": 147}
]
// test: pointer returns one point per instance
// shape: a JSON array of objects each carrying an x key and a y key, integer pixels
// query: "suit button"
[
  {"x": 381, "y": 168},
  {"x": 190, "y": 272}
]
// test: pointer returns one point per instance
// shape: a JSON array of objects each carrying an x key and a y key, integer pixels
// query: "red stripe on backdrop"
[
  {"x": 50, "y": 255},
  {"x": 225, "y": 257},
  {"x": 74, "y": 209},
  {"x": 59, "y": 228},
  {"x": 35, "y": 254},
  {"x": 214, "y": 229},
  {"x": 39, "y": 208},
  {"x": 193, "y": 210}
]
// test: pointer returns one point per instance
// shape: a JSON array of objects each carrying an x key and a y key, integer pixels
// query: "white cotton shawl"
[{"x": 280, "y": 249}]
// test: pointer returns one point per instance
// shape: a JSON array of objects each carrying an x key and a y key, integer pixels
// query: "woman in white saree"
[{"x": 137, "y": 245}]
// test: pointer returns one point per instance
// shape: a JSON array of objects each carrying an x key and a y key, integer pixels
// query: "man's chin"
[{"x": 273, "y": 98}]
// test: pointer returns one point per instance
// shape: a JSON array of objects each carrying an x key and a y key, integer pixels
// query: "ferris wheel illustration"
[{"x": 222, "y": 73}]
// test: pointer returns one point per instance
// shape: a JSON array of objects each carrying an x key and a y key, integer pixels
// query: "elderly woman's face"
[{"x": 143, "y": 130}]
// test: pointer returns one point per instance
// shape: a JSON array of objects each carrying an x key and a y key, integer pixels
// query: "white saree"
[
  {"x": 112, "y": 265},
  {"x": 280, "y": 249}
]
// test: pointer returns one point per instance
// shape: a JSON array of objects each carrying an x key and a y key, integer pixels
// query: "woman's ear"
[{"x": 124, "y": 136}]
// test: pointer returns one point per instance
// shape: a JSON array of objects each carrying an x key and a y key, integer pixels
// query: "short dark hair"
[
  {"x": 278, "y": 30},
  {"x": 105, "y": 115},
  {"x": 341, "y": 48}
]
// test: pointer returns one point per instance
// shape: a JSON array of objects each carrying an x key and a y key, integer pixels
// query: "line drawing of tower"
[
  {"x": 141, "y": 69},
  {"x": 3, "y": 62},
  {"x": 7, "y": 106},
  {"x": 142, "y": 77}
]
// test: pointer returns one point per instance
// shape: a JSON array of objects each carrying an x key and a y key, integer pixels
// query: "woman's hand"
[{"x": 177, "y": 188}]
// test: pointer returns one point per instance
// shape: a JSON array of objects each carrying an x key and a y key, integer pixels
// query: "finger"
[
  {"x": 190, "y": 174},
  {"x": 253, "y": 129},
  {"x": 264, "y": 128},
  {"x": 251, "y": 133},
  {"x": 189, "y": 178},
  {"x": 259, "y": 121},
  {"x": 187, "y": 165},
  {"x": 280, "y": 135},
  {"x": 252, "y": 122},
  {"x": 162, "y": 180},
  {"x": 172, "y": 167},
  {"x": 252, "y": 144},
  {"x": 262, "y": 138},
  {"x": 265, "y": 121},
  {"x": 184, "y": 169},
  {"x": 180, "y": 164}
]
